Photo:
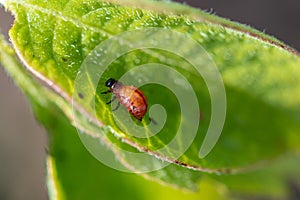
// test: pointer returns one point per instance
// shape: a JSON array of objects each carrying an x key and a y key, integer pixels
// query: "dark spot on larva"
[{"x": 80, "y": 95}]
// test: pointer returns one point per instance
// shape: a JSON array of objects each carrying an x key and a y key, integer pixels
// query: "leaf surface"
[{"x": 260, "y": 74}]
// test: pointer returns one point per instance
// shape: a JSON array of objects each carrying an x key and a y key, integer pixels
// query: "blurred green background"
[{"x": 23, "y": 142}]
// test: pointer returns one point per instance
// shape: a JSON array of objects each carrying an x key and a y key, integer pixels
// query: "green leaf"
[
  {"x": 55, "y": 39},
  {"x": 82, "y": 177},
  {"x": 72, "y": 172}
]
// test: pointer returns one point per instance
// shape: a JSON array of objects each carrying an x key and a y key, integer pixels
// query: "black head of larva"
[{"x": 110, "y": 82}]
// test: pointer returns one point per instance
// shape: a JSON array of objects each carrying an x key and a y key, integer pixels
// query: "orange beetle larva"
[{"x": 130, "y": 97}]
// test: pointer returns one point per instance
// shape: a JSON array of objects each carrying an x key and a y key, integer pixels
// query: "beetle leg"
[
  {"x": 152, "y": 120},
  {"x": 106, "y": 92},
  {"x": 111, "y": 100},
  {"x": 116, "y": 108}
]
